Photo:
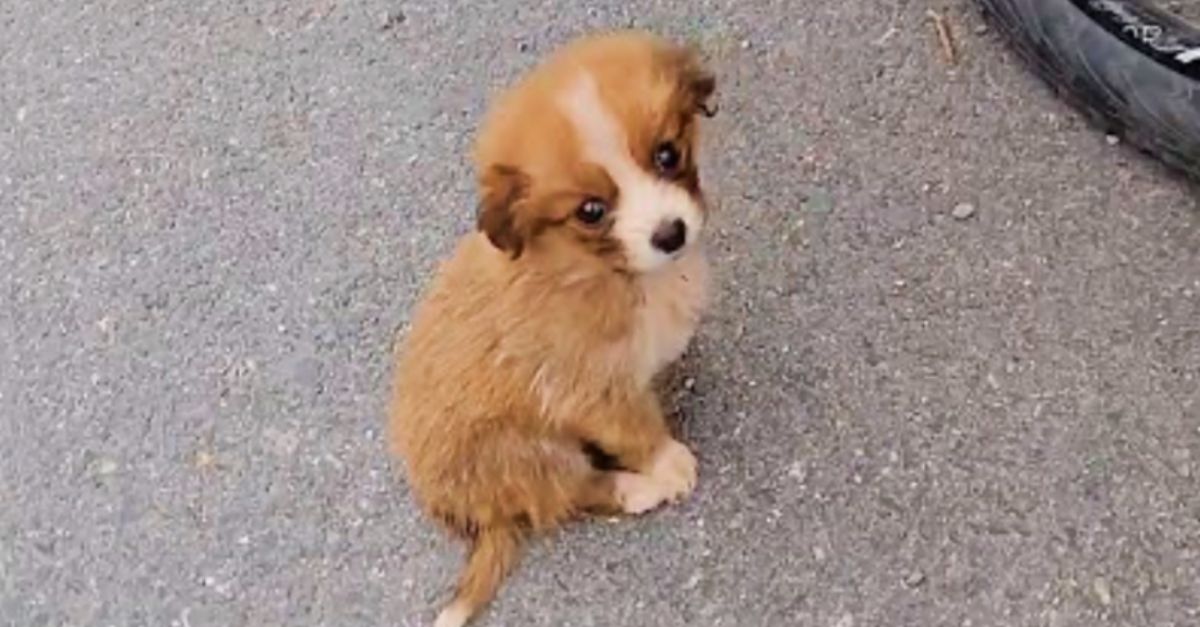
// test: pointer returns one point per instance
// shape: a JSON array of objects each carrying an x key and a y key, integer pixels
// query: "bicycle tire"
[{"x": 1132, "y": 68}]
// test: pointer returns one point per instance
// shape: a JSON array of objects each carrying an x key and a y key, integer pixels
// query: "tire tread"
[{"x": 1120, "y": 89}]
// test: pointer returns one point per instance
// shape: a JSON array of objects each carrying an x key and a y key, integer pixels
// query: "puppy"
[{"x": 522, "y": 395}]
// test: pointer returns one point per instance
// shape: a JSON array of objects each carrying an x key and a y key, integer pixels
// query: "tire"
[{"x": 1132, "y": 68}]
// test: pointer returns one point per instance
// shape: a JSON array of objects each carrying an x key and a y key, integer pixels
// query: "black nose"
[{"x": 669, "y": 236}]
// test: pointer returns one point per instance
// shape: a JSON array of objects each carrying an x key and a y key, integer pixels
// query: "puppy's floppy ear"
[
  {"x": 502, "y": 187},
  {"x": 696, "y": 80}
]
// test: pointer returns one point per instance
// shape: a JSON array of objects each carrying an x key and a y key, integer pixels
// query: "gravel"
[{"x": 217, "y": 214}]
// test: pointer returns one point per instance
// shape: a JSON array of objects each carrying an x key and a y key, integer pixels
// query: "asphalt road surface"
[{"x": 951, "y": 377}]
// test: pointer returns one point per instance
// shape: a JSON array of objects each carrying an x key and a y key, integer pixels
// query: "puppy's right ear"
[
  {"x": 697, "y": 81},
  {"x": 502, "y": 187}
]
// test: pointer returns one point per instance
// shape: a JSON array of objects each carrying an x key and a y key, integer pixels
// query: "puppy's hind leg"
[{"x": 520, "y": 486}]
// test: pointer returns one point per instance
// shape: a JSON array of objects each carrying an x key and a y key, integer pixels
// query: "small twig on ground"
[
  {"x": 945, "y": 37},
  {"x": 886, "y": 36},
  {"x": 312, "y": 15}
]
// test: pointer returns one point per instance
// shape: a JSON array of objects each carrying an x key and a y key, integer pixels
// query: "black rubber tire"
[{"x": 1134, "y": 69}]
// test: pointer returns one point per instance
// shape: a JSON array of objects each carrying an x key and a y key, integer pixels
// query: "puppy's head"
[{"x": 592, "y": 157}]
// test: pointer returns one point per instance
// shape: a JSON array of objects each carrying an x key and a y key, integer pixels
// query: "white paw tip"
[{"x": 455, "y": 615}]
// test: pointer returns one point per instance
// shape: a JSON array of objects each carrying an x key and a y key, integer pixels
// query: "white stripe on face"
[{"x": 645, "y": 202}]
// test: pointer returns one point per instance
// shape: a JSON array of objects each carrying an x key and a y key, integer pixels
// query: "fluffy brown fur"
[{"x": 522, "y": 393}]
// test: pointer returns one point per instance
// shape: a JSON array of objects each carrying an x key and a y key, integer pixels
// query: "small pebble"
[
  {"x": 963, "y": 211},
  {"x": 689, "y": 383},
  {"x": 205, "y": 460},
  {"x": 914, "y": 579},
  {"x": 1103, "y": 592},
  {"x": 1112, "y": 140}
]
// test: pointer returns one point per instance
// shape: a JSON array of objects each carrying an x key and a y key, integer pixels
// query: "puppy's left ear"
[
  {"x": 698, "y": 82},
  {"x": 502, "y": 188}
]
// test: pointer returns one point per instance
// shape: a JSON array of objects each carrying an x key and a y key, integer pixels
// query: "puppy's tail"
[{"x": 493, "y": 554}]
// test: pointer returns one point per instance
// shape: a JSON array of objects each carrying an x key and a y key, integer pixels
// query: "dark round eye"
[
  {"x": 592, "y": 211},
  {"x": 666, "y": 158}
]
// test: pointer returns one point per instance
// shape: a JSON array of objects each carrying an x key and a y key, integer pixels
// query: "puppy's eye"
[
  {"x": 666, "y": 158},
  {"x": 592, "y": 211}
]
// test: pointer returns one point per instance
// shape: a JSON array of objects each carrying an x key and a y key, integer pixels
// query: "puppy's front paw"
[
  {"x": 638, "y": 493},
  {"x": 674, "y": 468}
]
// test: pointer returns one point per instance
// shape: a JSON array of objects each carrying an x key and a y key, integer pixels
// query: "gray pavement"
[{"x": 214, "y": 215}]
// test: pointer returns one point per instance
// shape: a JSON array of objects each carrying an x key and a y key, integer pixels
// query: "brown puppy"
[{"x": 522, "y": 395}]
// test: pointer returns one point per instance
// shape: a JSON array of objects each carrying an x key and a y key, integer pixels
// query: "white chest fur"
[{"x": 673, "y": 300}]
